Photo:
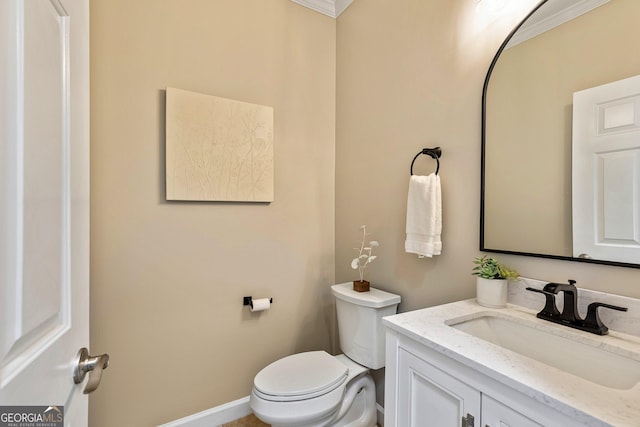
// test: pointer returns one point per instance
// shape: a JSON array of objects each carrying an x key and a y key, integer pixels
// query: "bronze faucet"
[{"x": 570, "y": 316}]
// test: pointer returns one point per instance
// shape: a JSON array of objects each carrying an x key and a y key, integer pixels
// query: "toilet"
[{"x": 315, "y": 389}]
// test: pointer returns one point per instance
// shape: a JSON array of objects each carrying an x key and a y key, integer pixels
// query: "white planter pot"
[{"x": 491, "y": 292}]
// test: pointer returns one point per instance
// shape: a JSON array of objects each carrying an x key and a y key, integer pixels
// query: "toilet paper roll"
[{"x": 261, "y": 304}]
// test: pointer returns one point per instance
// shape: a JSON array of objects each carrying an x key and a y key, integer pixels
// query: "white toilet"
[{"x": 315, "y": 389}]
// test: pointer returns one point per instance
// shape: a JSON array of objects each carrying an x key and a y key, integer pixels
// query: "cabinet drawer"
[{"x": 495, "y": 414}]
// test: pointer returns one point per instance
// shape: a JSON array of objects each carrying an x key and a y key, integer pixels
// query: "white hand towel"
[
  {"x": 437, "y": 230},
  {"x": 424, "y": 216}
]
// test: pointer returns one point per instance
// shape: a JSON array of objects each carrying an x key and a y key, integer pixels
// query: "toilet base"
[{"x": 362, "y": 411}]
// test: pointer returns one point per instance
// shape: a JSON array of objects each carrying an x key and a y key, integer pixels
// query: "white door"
[
  {"x": 606, "y": 172},
  {"x": 44, "y": 203}
]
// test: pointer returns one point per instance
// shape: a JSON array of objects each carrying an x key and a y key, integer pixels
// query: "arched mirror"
[{"x": 561, "y": 48}]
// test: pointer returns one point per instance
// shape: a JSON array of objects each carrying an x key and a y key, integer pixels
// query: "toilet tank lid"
[{"x": 375, "y": 298}]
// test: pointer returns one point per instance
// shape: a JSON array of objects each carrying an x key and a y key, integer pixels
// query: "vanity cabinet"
[{"x": 425, "y": 388}]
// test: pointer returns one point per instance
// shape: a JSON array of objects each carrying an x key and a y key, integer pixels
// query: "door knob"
[{"x": 93, "y": 365}]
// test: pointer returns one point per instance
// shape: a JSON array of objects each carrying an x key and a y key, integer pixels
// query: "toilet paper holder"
[{"x": 249, "y": 301}]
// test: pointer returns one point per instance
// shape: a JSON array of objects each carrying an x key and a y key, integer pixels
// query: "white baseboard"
[
  {"x": 228, "y": 412},
  {"x": 215, "y": 417}
]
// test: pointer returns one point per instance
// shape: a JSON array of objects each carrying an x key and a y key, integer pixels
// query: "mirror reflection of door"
[{"x": 606, "y": 171}]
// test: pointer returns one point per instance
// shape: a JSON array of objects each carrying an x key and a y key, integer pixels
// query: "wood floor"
[{"x": 248, "y": 421}]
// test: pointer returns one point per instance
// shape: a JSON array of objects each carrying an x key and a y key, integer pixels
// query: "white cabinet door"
[
  {"x": 428, "y": 397},
  {"x": 495, "y": 414}
]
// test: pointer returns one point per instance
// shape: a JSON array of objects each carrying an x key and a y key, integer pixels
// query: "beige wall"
[
  {"x": 410, "y": 75},
  {"x": 167, "y": 279}
]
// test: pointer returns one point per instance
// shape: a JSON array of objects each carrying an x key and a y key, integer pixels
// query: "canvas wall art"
[{"x": 218, "y": 149}]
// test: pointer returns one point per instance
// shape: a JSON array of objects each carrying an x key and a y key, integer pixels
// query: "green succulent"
[{"x": 489, "y": 268}]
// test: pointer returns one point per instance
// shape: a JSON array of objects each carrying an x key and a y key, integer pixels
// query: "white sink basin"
[{"x": 583, "y": 359}]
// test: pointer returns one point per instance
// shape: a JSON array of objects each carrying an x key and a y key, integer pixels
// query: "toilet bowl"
[{"x": 315, "y": 389}]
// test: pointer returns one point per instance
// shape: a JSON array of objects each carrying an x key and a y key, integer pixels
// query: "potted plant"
[
  {"x": 492, "y": 281},
  {"x": 364, "y": 258}
]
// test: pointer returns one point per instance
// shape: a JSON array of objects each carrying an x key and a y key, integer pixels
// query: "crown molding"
[
  {"x": 542, "y": 22},
  {"x": 332, "y": 8}
]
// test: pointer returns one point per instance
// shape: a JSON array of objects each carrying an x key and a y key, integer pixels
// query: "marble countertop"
[{"x": 585, "y": 401}]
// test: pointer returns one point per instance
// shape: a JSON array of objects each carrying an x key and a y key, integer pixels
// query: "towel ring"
[{"x": 435, "y": 153}]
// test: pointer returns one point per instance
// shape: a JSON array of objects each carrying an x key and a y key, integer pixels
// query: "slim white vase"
[{"x": 491, "y": 293}]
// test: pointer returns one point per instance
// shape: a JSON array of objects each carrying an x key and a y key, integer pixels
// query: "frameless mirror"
[{"x": 562, "y": 47}]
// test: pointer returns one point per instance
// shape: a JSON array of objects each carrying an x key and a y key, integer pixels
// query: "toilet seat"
[{"x": 300, "y": 376}]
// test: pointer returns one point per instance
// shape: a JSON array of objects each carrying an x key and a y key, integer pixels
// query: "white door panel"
[
  {"x": 606, "y": 172},
  {"x": 44, "y": 202}
]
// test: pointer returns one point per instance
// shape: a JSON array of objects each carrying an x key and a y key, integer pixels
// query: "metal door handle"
[{"x": 92, "y": 364}]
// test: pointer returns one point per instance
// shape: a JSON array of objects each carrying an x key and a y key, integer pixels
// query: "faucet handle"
[
  {"x": 550, "y": 310},
  {"x": 541, "y": 291},
  {"x": 593, "y": 322}
]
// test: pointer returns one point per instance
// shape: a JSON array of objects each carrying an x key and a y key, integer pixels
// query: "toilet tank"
[{"x": 360, "y": 322}]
